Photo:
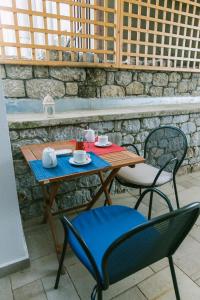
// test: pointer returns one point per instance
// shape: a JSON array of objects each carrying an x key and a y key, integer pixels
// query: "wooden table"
[{"x": 50, "y": 187}]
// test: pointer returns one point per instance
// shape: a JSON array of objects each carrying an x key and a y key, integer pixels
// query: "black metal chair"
[
  {"x": 164, "y": 151},
  {"x": 114, "y": 241}
]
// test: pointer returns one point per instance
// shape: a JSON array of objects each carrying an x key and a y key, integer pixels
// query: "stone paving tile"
[
  {"x": 188, "y": 180},
  {"x": 39, "y": 242},
  {"x": 39, "y": 268},
  {"x": 66, "y": 290},
  {"x": 5, "y": 289},
  {"x": 159, "y": 265},
  {"x": 187, "y": 257},
  {"x": 133, "y": 293},
  {"x": 195, "y": 233},
  {"x": 160, "y": 286},
  {"x": 84, "y": 283},
  {"x": 31, "y": 291}
]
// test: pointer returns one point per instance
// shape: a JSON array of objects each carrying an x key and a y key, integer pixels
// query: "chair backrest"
[
  {"x": 163, "y": 144},
  {"x": 148, "y": 243}
]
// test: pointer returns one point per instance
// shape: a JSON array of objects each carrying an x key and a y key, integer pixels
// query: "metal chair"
[
  {"x": 164, "y": 151},
  {"x": 114, "y": 242}
]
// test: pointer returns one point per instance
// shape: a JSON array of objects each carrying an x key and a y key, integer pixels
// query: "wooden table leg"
[
  {"x": 103, "y": 188},
  {"x": 48, "y": 217}
]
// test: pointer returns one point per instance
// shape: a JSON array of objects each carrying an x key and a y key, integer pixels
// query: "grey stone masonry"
[
  {"x": 90, "y": 82},
  {"x": 120, "y": 130}
]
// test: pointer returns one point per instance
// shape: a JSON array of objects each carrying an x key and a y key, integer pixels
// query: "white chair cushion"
[{"x": 143, "y": 175}]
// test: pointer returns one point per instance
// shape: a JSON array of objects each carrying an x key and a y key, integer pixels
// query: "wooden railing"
[{"x": 151, "y": 34}]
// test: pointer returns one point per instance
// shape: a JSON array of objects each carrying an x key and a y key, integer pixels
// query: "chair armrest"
[
  {"x": 131, "y": 145},
  {"x": 69, "y": 226},
  {"x": 154, "y": 190},
  {"x": 163, "y": 168}
]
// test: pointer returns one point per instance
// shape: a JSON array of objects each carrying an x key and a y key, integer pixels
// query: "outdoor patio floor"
[{"x": 153, "y": 282}]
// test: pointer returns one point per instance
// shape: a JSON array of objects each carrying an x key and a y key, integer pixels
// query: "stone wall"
[
  {"x": 120, "y": 131},
  {"x": 37, "y": 81}
]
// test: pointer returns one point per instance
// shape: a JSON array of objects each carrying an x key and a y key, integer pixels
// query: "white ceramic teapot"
[
  {"x": 49, "y": 159},
  {"x": 90, "y": 135}
]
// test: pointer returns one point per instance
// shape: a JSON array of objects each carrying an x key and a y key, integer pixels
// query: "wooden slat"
[{"x": 157, "y": 35}]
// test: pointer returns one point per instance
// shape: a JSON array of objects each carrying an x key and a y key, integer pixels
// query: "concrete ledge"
[{"x": 36, "y": 120}]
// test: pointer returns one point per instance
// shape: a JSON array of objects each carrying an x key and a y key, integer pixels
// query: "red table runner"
[{"x": 90, "y": 147}]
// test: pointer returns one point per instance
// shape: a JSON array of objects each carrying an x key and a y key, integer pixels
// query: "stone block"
[
  {"x": 2, "y": 72},
  {"x": 87, "y": 91},
  {"x": 19, "y": 71},
  {"x": 96, "y": 77},
  {"x": 150, "y": 123},
  {"x": 174, "y": 77},
  {"x": 110, "y": 77},
  {"x": 135, "y": 88},
  {"x": 186, "y": 75},
  {"x": 41, "y": 71},
  {"x": 166, "y": 120},
  {"x": 180, "y": 119},
  {"x": 145, "y": 77},
  {"x": 71, "y": 88},
  {"x": 103, "y": 127},
  {"x": 39, "y": 88},
  {"x": 188, "y": 127},
  {"x": 168, "y": 92},
  {"x": 128, "y": 139},
  {"x": 68, "y": 74},
  {"x": 156, "y": 91},
  {"x": 21, "y": 167},
  {"x": 141, "y": 136},
  {"x": 160, "y": 79},
  {"x": 115, "y": 137},
  {"x": 192, "y": 84},
  {"x": 123, "y": 77},
  {"x": 183, "y": 87},
  {"x": 112, "y": 91},
  {"x": 196, "y": 93},
  {"x": 41, "y": 133},
  {"x": 195, "y": 139},
  {"x": 14, "y": 135},
  {"x": 131, "y": 126},
  {"x": 13, "y": 88},
  {"x": 173, "y": 84}
]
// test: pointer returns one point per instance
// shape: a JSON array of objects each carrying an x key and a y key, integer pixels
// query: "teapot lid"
[{"x": 48, "y": 149}]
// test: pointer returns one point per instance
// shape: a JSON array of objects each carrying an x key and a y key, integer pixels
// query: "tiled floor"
[{"x": 154, "y": 282}]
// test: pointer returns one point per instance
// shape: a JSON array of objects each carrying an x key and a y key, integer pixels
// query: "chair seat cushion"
[
  {"x": 143, "y": 175},
  {"x": 99, "y": 228}
]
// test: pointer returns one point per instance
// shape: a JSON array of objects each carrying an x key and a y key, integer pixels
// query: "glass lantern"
[{"x": 49, "y": 106}]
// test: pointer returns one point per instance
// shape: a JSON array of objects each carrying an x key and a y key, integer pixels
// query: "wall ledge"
[{"x": 37, "y": 120}]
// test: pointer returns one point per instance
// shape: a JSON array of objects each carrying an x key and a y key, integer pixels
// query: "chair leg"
[
  {"x": 176, "y": 193},
  {"x": 171, "y": 264},
  {"x": 150, "y": 205},
  {"x": 61, "y": 263},
  {"x": 99, "y": 294},
  {"x": 140, "y": 191}
]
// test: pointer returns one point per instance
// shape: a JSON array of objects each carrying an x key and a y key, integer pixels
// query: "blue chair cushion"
[{"x": 99, "y": 228}]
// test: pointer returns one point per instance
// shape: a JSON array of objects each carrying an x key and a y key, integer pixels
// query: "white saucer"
[
  {"x": 63, "y": 152},
  {"x": 72, "y": 162},
  {"x": 103, "y": 146}
]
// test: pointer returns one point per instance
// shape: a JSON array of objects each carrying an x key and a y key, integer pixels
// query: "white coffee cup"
[
  {"x": 80, "y": 156},
  {"x": 103, "y": 140}
]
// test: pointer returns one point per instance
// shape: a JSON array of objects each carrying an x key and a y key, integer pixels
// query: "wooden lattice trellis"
[{"x": 141, "y": 34}]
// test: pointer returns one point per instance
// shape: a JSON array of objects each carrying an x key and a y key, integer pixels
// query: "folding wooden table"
[{"x": 50, "y": 187}]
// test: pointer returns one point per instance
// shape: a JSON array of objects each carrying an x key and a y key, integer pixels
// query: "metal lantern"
[{"x": 49, "y": 106}]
